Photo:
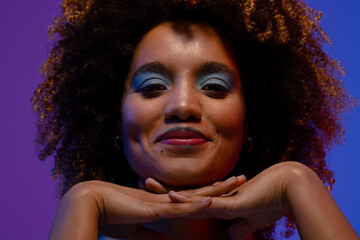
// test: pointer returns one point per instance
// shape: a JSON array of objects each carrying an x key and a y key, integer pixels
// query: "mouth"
[{"x": 183, "y": 137}]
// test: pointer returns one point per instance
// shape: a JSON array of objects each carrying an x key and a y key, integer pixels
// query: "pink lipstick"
[{"x": 183, "y": 137}]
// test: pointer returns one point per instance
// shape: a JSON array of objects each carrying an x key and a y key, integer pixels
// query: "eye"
[
  {"x": 216, "y": 87},
  {"x": 215, "y": 91},
  {"x": 150, "y": 86},
  {"x": 152, "y": 90}
]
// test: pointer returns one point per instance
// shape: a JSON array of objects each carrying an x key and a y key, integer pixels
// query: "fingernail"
[
  {"x": 230, "y": 179},
  {"x": 241, "y": 177},
  {"x": 205, "y": 199},
  {"x": 150, "y": 179},
  {"x": 173, "y": 192}
]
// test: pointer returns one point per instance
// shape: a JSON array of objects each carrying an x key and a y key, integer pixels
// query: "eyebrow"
[
  {"x": 155, "y": 67},
  {"x": 213, "y": 67}
]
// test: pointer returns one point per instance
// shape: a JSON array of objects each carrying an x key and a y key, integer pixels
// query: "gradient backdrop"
[{"x": 27, "y": 194}]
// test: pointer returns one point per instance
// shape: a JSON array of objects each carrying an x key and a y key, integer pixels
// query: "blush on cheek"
[{"x": 230, "y": 123}]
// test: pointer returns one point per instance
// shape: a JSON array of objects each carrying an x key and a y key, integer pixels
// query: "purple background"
[{"x": 28, "y": 197}]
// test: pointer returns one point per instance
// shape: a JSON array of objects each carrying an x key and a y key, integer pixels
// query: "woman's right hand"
[{"x": 116, "y": 211}]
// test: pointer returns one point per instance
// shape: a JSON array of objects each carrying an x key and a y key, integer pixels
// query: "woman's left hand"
[
  {"x": 257, "y": 203},
  {"x": 260, "y": 202}
]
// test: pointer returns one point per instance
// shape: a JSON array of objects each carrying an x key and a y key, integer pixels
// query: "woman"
[{"x": 194, "y": 93}]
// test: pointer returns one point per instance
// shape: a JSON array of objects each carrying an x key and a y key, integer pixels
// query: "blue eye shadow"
[
  {"x": 142, "y": 80},
  {"x": 221, "y": 79}
]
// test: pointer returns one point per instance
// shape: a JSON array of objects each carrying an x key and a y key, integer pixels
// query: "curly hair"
[{"x": 293, "y": 92}]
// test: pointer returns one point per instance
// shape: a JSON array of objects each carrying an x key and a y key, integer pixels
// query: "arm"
[
  {"x": 288, "y": 186},
  {"x": 116, "y": 211},
  {"x": 77, "y": 216},
  {"x": 316, "y": 214}
]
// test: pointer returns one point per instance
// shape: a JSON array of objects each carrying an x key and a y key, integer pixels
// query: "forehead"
[
  {"x": 184, "y": 31},
  {"x": 183, "y": 41},
  {"x": 187, "y": 29}
]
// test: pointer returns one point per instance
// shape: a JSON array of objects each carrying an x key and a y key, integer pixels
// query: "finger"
[
  {"x": 240, "y": 230},
  {"x": 143, "y": 194},
  {"x": 155, "y": 186},
  {"x": 175, "y": 210},
  {"x": 217, "y": 189},
  {"x": 177, "y": 197},
  {"x": 142, "y": 233}
]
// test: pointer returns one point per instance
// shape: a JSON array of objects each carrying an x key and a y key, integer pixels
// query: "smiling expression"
[{"x": 183, "y": 110}]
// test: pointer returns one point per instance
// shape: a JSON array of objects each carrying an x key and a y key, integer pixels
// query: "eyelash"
[
  {"x": 212, "y": 87},
  {"x": 152, "y": 87},
  {"x": 152, "y": 90},
  {"x": 216, "y": 88}
]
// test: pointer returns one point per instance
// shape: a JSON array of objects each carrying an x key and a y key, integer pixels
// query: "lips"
[{"x": 186, "y": 137}]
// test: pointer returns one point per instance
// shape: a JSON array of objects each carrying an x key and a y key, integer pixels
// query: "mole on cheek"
[{"x": 161, "y": 151}]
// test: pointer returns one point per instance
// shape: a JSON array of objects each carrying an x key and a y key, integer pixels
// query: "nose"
[{"x": 182, "y": 103}]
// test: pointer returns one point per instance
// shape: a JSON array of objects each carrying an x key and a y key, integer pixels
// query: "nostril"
[
  {"x": 183, "y": 106},
  {"x": 176, "y": 118}
]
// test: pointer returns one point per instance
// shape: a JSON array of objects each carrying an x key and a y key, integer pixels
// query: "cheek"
[
  {"x": 138, "y": 116},
  {"x": 229, "y": 119}
]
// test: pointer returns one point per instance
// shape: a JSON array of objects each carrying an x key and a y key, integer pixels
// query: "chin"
[{"x": 190, "y": 179}]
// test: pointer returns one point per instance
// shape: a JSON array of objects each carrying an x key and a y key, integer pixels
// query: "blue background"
[{"x": 28, "y": 197}]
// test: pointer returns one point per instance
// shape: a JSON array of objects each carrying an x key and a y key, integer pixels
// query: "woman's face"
[{"x": 183, "y": 109}]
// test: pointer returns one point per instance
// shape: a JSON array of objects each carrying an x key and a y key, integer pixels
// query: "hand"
[
  {"x": 257, "y": 203},
  {"x": 117, "y": 210},
  {"x": 215, "y": 189},
  {"x": 287, "y": 186}
]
